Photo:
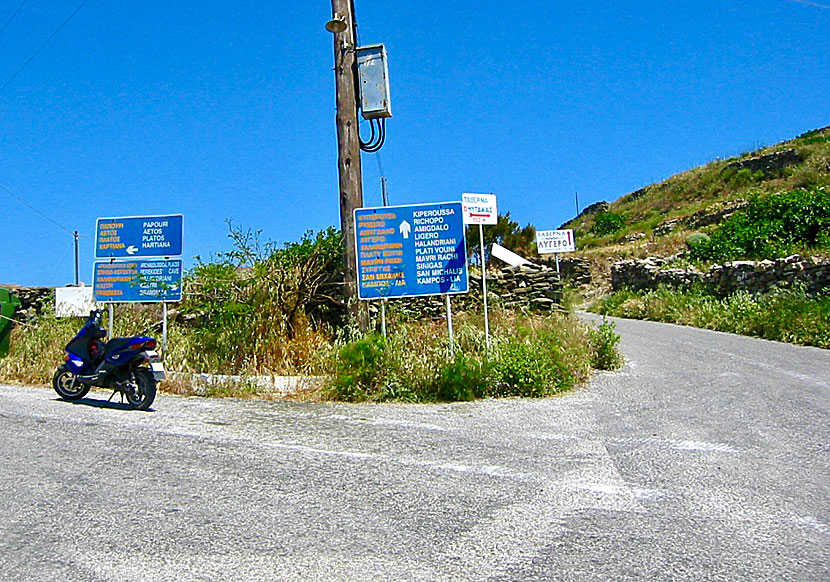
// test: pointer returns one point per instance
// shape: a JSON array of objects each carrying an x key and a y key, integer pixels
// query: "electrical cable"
[
  {"x": 43, "y": 46},
  {"x": 375, "y": 144},
  {"x": 61, "y": 262},
  {"x": 365, "y": 144},
  {"x": 12, "y": 16},
  {"x": 35, "y": 210}
]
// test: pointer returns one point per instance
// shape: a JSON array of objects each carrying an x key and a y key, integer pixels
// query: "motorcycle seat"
[{"x": 117, "y": 343}]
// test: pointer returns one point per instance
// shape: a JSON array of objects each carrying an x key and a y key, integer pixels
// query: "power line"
[
  {"x": 43, "y": 46},
  {"x": 808, "y": 3},
  {"x": 12, "y": 16},
  {"x": 33, "y": 209}
]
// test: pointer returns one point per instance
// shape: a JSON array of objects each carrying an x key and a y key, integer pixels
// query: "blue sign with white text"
[
  {"x": 410, "y": 251},
  {"x": 142, "y": 281},
  {"x": 139, "y": 236}
]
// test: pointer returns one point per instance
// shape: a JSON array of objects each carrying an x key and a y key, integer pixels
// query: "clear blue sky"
[{"x": 220, "y": 110}]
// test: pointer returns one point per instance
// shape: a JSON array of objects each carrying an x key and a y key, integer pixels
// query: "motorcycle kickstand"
[{"x": 113, "y": 394}]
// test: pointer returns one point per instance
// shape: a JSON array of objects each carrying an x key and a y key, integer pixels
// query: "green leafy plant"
[
  {"x": 607, "y": 222},
  {"x": 771, "y": 226},
  {"x": 604, "y": 341}
]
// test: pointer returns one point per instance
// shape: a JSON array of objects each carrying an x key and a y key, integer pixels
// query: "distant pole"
[
  {"x": 383, "y": 189},
  {"x": 77, "y": 272},
  {"x": 576, "y": 197},
  {"x": 348, "y": 152}
]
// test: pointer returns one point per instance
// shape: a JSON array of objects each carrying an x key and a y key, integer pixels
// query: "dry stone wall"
[
  {"x": 33, "y": 301},
  {"x": 751, "y": 276},
  {"x": 531, "y": 288}
]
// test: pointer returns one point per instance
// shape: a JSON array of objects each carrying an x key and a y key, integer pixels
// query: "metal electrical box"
[{"x": 373, "y": 78}]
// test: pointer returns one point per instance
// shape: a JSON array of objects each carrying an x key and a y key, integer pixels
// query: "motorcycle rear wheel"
[
  {"x": 143, "y": 389},
  {"x": 65, "y": 385}
]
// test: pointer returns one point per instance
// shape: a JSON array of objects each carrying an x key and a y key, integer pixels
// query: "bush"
[
  {"x": 604, "y": 341},
  {"x": 464, "y": 378},
  {"x": 360, "y": 368},
  {"x": 771, "y": 227},
  {"x": 697, "y": 239},
  {"x": 607, "y": 222},
  {"x": 529, "y": 357}
]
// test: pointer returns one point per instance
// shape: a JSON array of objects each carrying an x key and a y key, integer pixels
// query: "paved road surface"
[{"x": 706, "y": 458}]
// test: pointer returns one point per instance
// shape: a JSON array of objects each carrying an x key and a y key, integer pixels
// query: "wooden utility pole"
[{"x": 348, "y": 146}]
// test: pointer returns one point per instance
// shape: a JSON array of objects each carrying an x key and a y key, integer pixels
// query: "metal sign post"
[
  {"x": 164, "y": 329},
  {"x": 484, "y": 284},
  {"x": 411, "y": 251},
  {"x": 109, "y": 322},
  {"x": 481, "y": 209},
  {"x": 449, "y": 327}
]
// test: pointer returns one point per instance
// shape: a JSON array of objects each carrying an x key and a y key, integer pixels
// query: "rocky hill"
[{"x": 657, "y": 220}]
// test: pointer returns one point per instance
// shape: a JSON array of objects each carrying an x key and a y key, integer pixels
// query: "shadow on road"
[{"x": 95, "y": 403}]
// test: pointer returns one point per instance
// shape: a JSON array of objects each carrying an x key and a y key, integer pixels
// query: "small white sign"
[
  {"x": 555, "y": 241},
  {"x": 479, "y": 208},
  {"x": 74, "y": 301},
  {"x": 508, "y": 256}
]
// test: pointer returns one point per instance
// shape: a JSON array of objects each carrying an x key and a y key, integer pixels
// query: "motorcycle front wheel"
[
  {"x": 66, "y": 386},
  {"x": 142, "y": 389}
]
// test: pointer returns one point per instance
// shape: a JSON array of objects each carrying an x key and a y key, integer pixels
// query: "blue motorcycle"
[{"x": 130, "y": 366}]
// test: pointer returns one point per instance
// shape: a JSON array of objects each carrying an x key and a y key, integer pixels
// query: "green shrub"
[
  {"x": 607, "y": 222},
  {"x": 360, "y": 368},
  {"x": 697, "y": 239},
  {"x": 530, "y": 356},
  {"x": 604, "y": 341},
  {"x": 770, "y": 227},
  {"x": 464, "y": 378}
]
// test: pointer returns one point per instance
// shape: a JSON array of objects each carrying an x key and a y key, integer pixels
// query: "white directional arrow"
[
  {"x": 132, "y": 249},
  {"x": 405, "y": 229}
]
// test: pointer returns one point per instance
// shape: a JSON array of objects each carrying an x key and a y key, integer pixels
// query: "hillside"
[{"x": 655, "y": 220}]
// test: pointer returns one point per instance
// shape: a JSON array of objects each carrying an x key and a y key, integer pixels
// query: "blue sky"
[{"x": 221, "y": 110}]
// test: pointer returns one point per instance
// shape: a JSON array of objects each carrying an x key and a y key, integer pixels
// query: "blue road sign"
[
  {"x": 143, "y": 281},
  {"x": 139, "y": 236},
  {"x": 410, "y": 251}
]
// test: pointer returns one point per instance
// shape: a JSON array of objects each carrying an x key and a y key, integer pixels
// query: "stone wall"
[
  {"x": 532, "y": 288},
  {"x": 33, "y": 300},
  {"x": 751, "y": 276},
  {"x": 575, "y": 270}
]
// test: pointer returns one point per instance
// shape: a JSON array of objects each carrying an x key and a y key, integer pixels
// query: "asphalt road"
[{"x": 707, "y": 457}]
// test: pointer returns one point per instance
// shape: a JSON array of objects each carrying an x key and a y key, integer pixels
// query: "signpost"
[
  {"x": 411, "y": 251},
  {"x": 555, "y": 241},
  {"x": 139, "y": 236},
  {"x": 481, "y": 209},
  {"x": 141, "y": 281}
]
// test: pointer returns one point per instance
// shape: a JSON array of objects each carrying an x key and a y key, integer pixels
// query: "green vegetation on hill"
[{"x": 771, "y": 226}]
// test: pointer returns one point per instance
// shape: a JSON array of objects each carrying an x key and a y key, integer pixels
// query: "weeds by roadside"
[
  {"x": 789, "y": 315},
  {"x": 530, "y": 357}
]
